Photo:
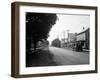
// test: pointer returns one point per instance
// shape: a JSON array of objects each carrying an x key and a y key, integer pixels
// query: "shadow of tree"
[{"x": 40, "y": 58}]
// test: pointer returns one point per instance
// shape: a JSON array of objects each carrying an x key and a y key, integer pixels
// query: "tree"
[
  {"x": 38, "y": 26},
  {"x": 56, "y": 42}
]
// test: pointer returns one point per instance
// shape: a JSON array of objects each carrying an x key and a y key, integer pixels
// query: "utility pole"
[
  {"x": 68, "y": 34},
  {"x": 64, "y": 35}
]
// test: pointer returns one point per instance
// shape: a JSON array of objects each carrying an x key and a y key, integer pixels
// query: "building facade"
[
  {"x": 83, "y": 38},
  {"x": 71, "y": 39}
]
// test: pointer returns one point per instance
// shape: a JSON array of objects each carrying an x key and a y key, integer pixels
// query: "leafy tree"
[
  {"x": 38, "y": 26},
  {"x": 56, "y": 42}
]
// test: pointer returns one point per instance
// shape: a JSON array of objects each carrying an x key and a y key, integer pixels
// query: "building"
[
  {"x": 71, "y": 39},
  {"x": 64, "y": 42},
  {"x": 83, "y": 38},
  {"x": 77, "y": 41}
]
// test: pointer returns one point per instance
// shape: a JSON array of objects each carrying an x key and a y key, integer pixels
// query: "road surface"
[
  {"x": 68, "y": 57},
  {"x": 53, "y": 56}
]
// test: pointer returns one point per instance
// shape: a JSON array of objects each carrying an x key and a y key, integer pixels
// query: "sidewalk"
[{"x": 84, "y": 50}]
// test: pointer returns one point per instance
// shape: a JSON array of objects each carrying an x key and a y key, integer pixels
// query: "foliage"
[
  {"x": 56, "y": 42},
  {"x": 38, "y": 26}
]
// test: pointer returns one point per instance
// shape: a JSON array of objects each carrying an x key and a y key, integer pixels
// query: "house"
[
  {"x": 83, "y": 38},
  {"x": 71, "y": 39}
]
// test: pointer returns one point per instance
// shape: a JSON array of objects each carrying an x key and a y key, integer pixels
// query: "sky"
[{"x": 71, "y": 23}]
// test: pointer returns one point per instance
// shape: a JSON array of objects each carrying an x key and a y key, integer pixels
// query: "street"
[
  {"x": 53, "y": 56},
  {"x": 68, "y": 57}
]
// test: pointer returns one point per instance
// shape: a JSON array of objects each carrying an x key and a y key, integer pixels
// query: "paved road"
[
  {"x": 52, "y": 56},
  {"x": 68, "y": 57}
]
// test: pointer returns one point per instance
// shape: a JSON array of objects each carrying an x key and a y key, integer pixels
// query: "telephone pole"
[
  {"x": 64, "y": 35},
  {"x": 68, "y": 35}
]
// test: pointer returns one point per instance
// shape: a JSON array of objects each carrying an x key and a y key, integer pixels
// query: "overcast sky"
[{"x": 73, "y": 23}]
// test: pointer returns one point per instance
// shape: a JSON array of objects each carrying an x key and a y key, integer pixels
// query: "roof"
[{"x": 83, "y": 31}]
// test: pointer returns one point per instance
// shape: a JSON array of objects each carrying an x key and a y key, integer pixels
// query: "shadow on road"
[{"x": 40, "y": 58}]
